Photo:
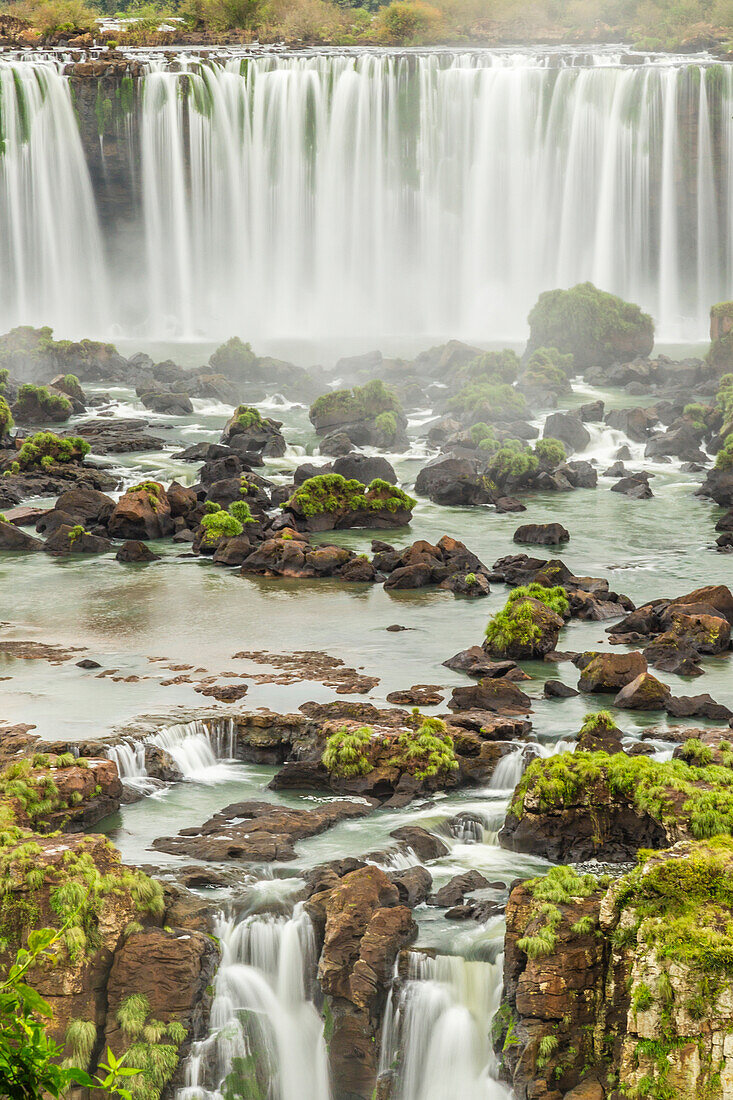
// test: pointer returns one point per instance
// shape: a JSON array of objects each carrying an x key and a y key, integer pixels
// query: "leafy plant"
[{"x": 347, "y": 752}]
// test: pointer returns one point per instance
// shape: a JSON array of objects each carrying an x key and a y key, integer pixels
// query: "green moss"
[
  {"x": 241, "y": 512},
  {"x": 488, "y": 401},
  {"x": 653, "y": 787},
  {"x": 333, "y": 493},
  {"x": 514, "y": 627},
  {"x": 37, "y": 402},
  {"x": 595, "y": 327},
  {"x": 6, "y": 417},
  {"x": 362, "y": 403},
  {"x": 219, "y": 525},
  {"x": 233, "y": 357},
  {"x": 248, "y": 417},
  {"x": 45, "y": 449},
  {"x": 426, "y": 752},
  {"x": 76, "y": 533},
  {"x": 151, "y": 489},
  {"x": 598, "y": 721},
  {"x": 512, "y": 461},
  {"x": 694, "y": 752},
  {"x": 548, "y": 369},
  {"x": 347, "y": 752},
  {"x": 724, "y": 457},
  {"x": 386, "y": 423}
]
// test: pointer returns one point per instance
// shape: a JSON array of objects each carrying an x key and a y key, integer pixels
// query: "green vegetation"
[
  {"x": 598, "y": 721},
  {"x": 219, "y": 525},
  {"x": 595, "y": 327},
  {"x": 333, "y": 493},
  {"x": 484, "y": 437},
  {"x": 45, "y": 450},
  {"x": 233, "y": 357},
  {"x": 724, "y": 458},
  {"x": 512, "y": 462},
  {"x": 30, "y": 1062},
  {"x": 548, "y": 369},
  {"x": 550, "y": 453},
  {"x": 76, "y": 532},
  {"x": 653, "y": 787},
  {"x": 386, "y": 423},
  {"x": 560, "y": 886},
  {"x": 514, "y": 628},
  {"x": 426, "y": 752},
  {"x": 492, "y": 367},
  {"x": 724, "y": 398},
  {"x": 347, "y": 752},
  {"x": 489, "y": 401},
  {"x": 37, "y": 403},
  {"x": 152, "y": 490},
  {"x": 6, "y": 417},
  {"x": 248, "y": 417},
  {"x": 367, "y": 402},
  {"x": 241, "y": 512},
  {"x": 154, "y": 1047},
  {"x": 694, "y": 752}
]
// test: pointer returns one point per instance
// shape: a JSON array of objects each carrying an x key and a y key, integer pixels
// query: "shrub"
[
  {"x": 46, "y": 448},
  {"x": 724, "y": 397},
  {"x": 406, "y": 21},
  {"x": 76, "y": 532},
  {"x": 333, "y": 493},
  {"x": 232, "y": 357},
  {"x": 427, "y": 751},
  {"x": 484, "y": 437},
  {"x": 248, "y": 417},
  {"x": 548, "y": 369},
  {"x": 386, "y": 423},
  {"x": 36, "y": 402},
  {"x": 514, "y": 628},
  {"x": 724, "y": 458},
  {"x": 6, "y": 417},
  {"x": 555, "y": 598},
  {"x": 598, "y": 721},
  {"x": 488, "y": 401},
  {"x": 550, "y": 453},
  {"x": 219, "y": 525},
  {"x": 366, "y": 402},
  {"x": 241, "y": 512},
  {"x": 346, "y": 752},
  {"x": 493, "y": 367}
]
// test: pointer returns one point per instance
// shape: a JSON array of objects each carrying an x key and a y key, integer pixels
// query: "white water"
[
  {"x": 51, "y": 263},
  {"x": 333, "y": 196},
  {"x": 262, "y": 1013},
  {"x": 196, "y": 748},
  {"x": 436, "y": 1040}
]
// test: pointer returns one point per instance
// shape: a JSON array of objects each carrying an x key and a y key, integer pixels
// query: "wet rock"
[
  {"x": 336, "y": 445},
  {"x": 607, "y": 672},
  {"x": 365, "y": 468},
  {"x": 541, "y": 534},
  {"x": 142, "y": 513},
  {"x": 69, "y": 540},
  {"x": 449, "y": 480},
  {"x": 635, "y": 487},
  {"x": 591, "y": 412},
  {"x": 568, "y": 429},
  {"x": 635, "y": 423},
  {"x": 167, "y": 403},
  {"x": 697, "y": 706},
  {"x": 135, "y": 551},
  {"x": 643, "y": 693},
  {"x": 501, "y": 696},
  {"x": 249, "y": 432},
  {"x": 454, "y": 891},
  {"x": 556, "y": 689},
  {"x": 419, "y": 695},
  {"x": 13, "y": 538},
  {"x": 413, "y": 885}
]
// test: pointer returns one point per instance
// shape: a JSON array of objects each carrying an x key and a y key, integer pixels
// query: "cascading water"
[
  {"x": 363, "y": 196},
  {"x": 436, "y": 1040},
  {"x": 348, "y": 196},
  {"x": 266, "y": 1036},
  {"x": 51, "y": 261},
  {"x": 196, "y": 748}
]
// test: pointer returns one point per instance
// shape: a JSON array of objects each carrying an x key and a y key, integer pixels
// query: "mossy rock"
[{"x": 598, "y": 329}]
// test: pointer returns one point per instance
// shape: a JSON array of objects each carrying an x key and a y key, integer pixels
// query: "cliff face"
[{"x": 622, "y": 989}]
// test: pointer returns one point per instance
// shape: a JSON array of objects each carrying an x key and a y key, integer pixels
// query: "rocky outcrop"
[
  {"x": 596, "y": 328},
  {"x": 362, "y": 926},
  {"x": 143, "y": 512}
]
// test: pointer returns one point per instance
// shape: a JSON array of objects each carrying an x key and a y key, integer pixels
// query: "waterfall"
[
  {"x": 508, "y": 771},
  {"x": 196, "y": 748},
  {"x": 266, "y": 1036},
  {"x": 436, "y": 1040},
  {"x": 52, "y": 270},
  {"x": 371, "y": 194}
]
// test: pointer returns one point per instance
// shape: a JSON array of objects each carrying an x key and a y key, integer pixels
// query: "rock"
[
  {"x": 579, "y": 474},
  {"x": 233, "y": 551},
  {"x": 591, "y": 412},
  {"x": 336, "y": 445},
  {"x": 635, "y": 423},
  {"x": 425, "y": 845},
  {"x": 365, "y": 468},
  {"x": 500, "y": 696},
  {"x": 419, "y": 695},
  {"x": 168, "y": 403},
  {"x": 568, "y": 429},
  {"x": 597, "y": 328},
  {"x": 643, "y": 693},
  {"x": 697, "y": 706},
  {"x": 607, "y": 672},
  {"x": 69, "y": 540},
  {"x": 87, "y": 507},
  {"x": 135, "y": 551},
  {"x": 635, "y": 487},
  {"x": 527, "y": 644},
  {"x": 142, "y": 513},
  {"x": 13, "y": 538},
  {"x": 476, "y": 662},
  {"x": 556, "y": 689},
  {"x": 449, "y": 480},
  {"x": 248, "y": 432},
  {"x": 454, "y": 891},
  {"x": 509, "y": 504},
  {"x": 413, "y": 884},
  {"x": 541, "y": 534}
]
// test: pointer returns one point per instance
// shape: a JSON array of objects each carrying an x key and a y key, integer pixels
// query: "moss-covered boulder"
[
  {"x": 328, "y": 502},
  {"x": 586, "y": 805},
  {"x": 143, "y": 512},
  {"x": 247, "y": 430},
  {"x": 32, "y": 353},
  {"x": 529, "y": 625},
  {"x": 369, "y": 415},
  {"x": 596, "y": 328},
  {"x": 622, "y": 988},
  {"x": 38, "y": 405}
]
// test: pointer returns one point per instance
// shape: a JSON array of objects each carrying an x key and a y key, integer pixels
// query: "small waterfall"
[
  {"x": 195, "y": 747},
  {"x": 437, "y": 1036},
  {"x": 266, "y": 1036},
  {"x": 508, "y": 771},
  {"x": 52, "y": 268}
]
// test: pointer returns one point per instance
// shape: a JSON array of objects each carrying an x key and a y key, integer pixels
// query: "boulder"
[
  {"x": 596, "y": 328},
  {"x": 167, "y": 403},
  {"x": 69, "y": 540},
  {"x": 608, "y": 672},
  {"x": 135, "y": 551},
  {"x": 364, "y": 468},
  {"x": 450, "y": 480},
  {"x": 541, "y": 534},
  {"x": 568, "y": 429},
  {"x": 142, "y": 513},
  {"x": 501, "y": 696},
  {"x": 643, "y": 693},
  {"x": 13, "y": 538}
]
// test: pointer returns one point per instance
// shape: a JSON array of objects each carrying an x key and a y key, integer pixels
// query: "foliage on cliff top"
[
  {"x": 248, "y": 417},
  {"x": 333, "y": 493},
  {"x": 590, "y": 324},
  {"x": 361, "y": 403},
  {"x": 700, "y": 797}
]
